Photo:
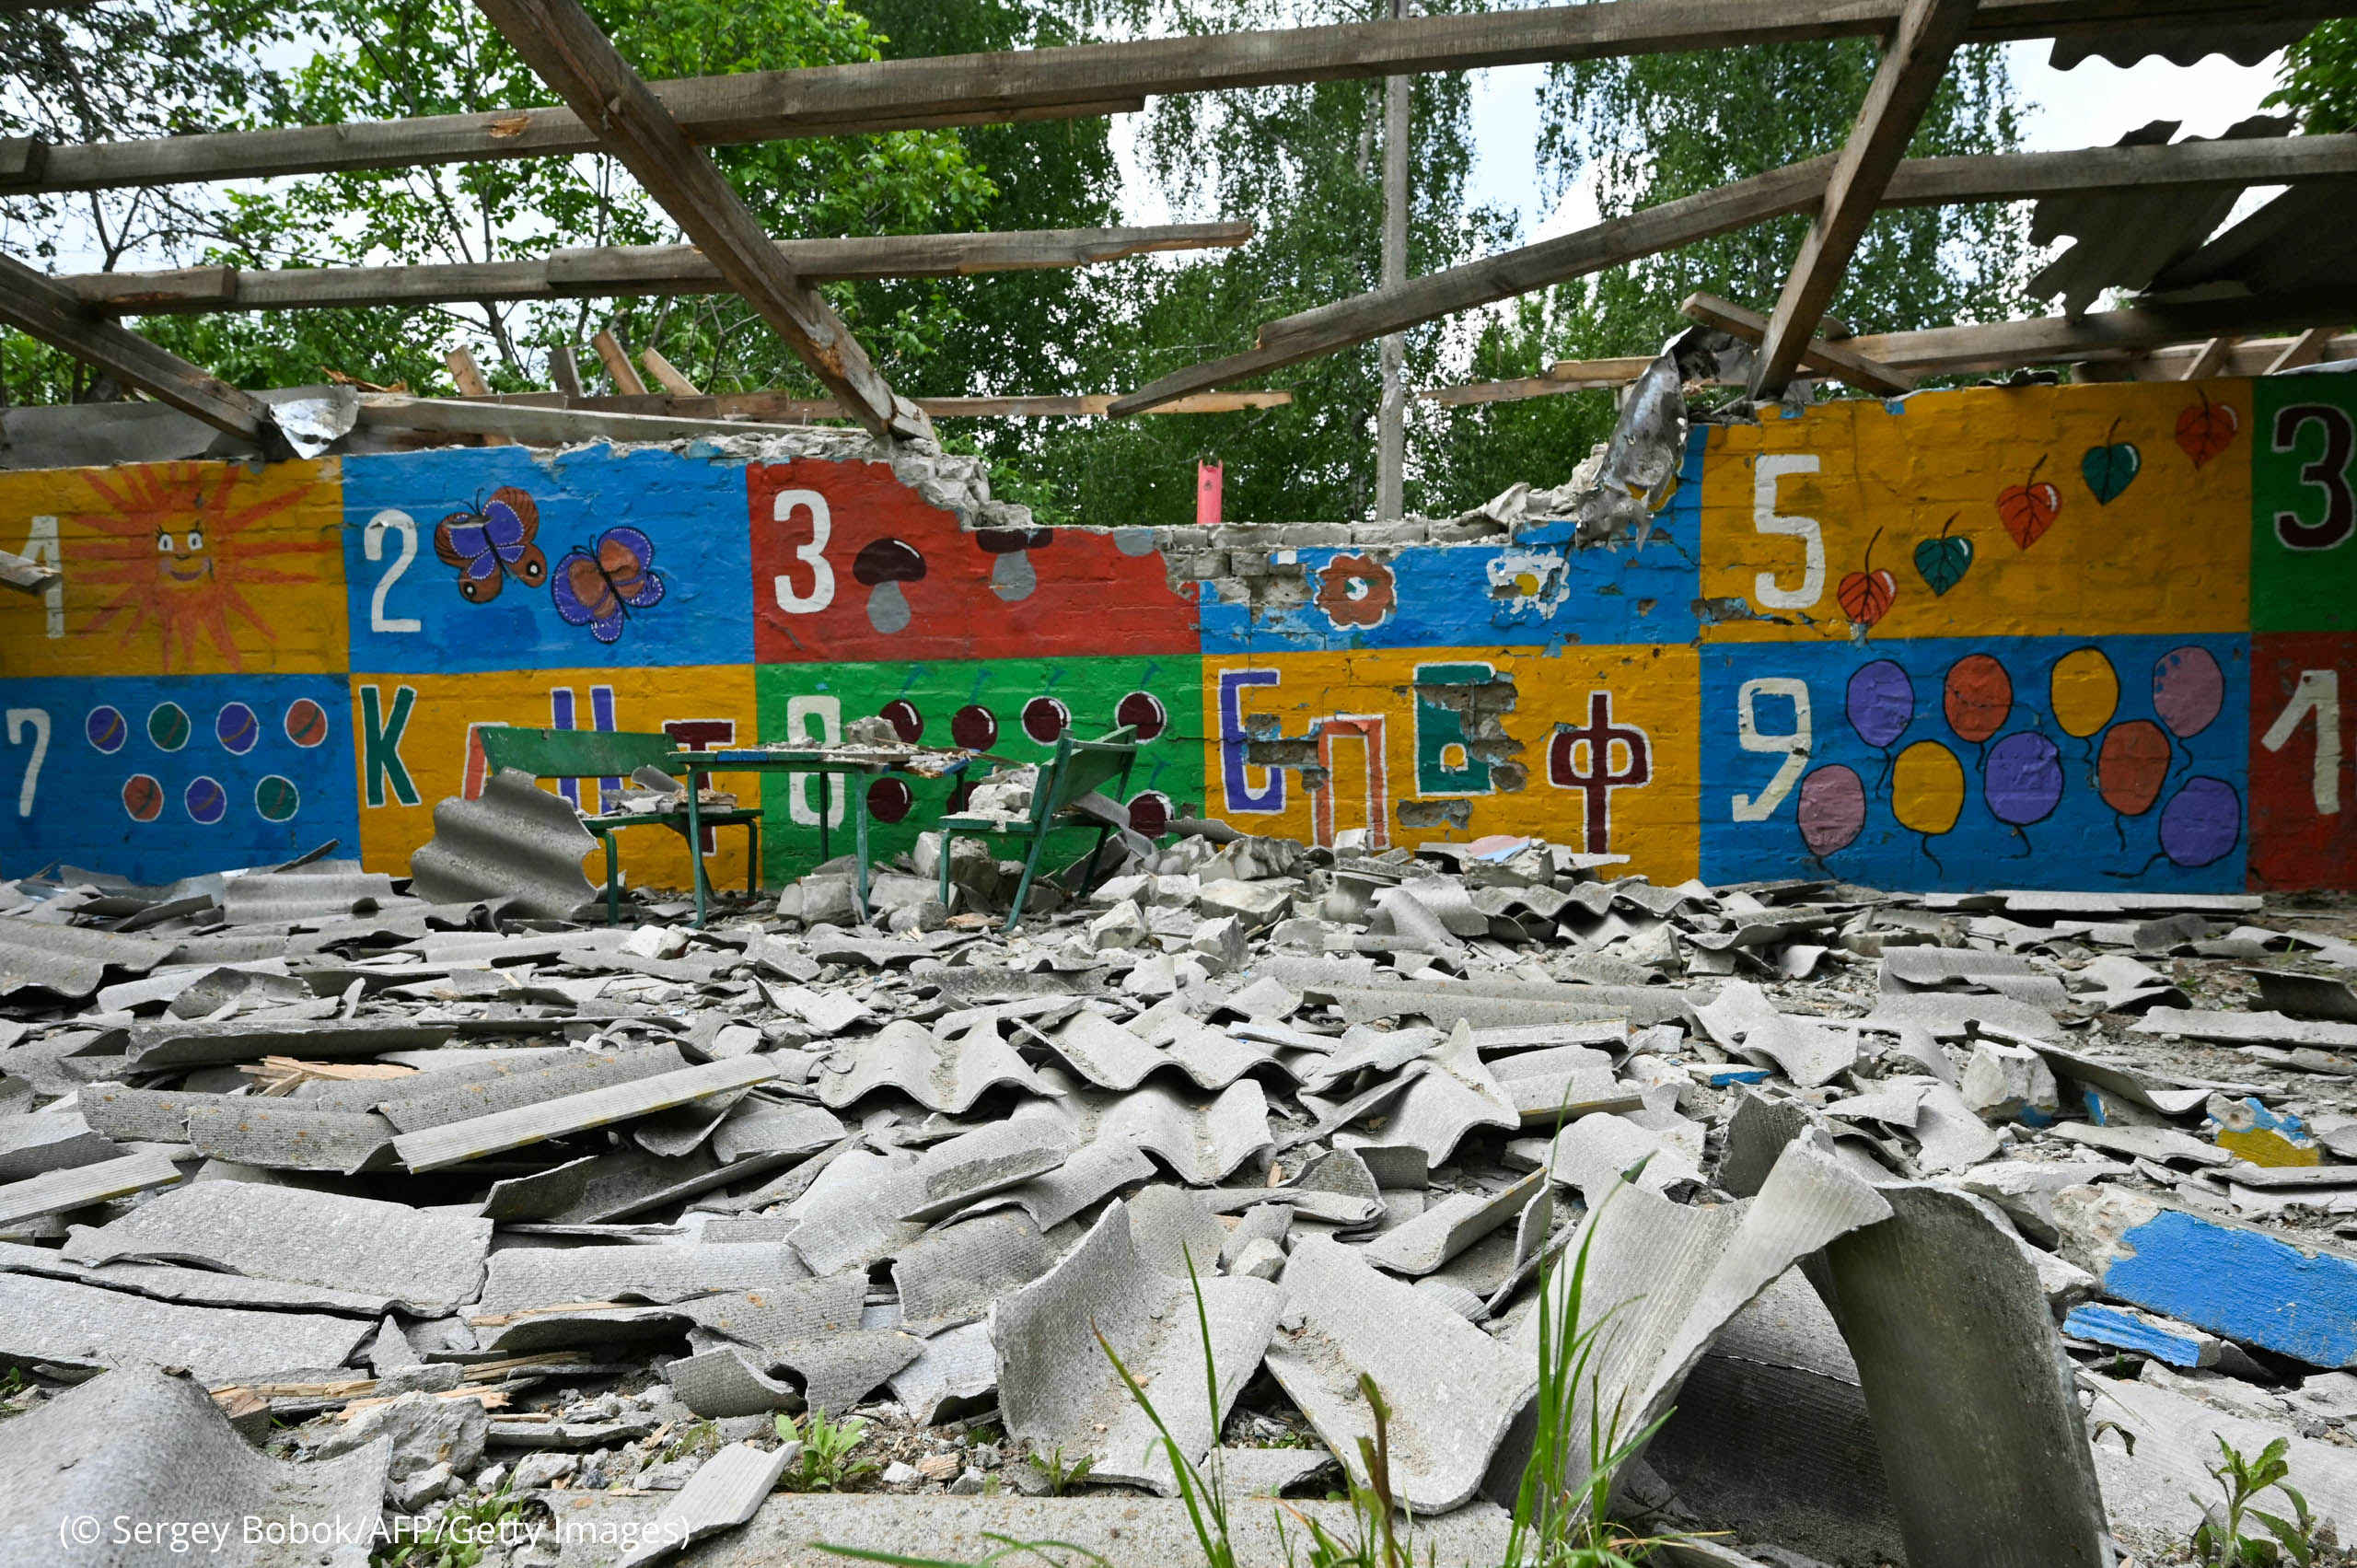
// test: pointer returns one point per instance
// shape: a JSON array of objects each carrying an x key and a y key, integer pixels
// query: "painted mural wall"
[{"x": 2089, "y": 636}]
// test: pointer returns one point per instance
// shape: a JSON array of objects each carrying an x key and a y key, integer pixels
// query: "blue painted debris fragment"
[
  {"x": 2240, "y": 1282},
  {"x": 2175, "y": 1343},
  {"x": 1719, "y": 1076}
]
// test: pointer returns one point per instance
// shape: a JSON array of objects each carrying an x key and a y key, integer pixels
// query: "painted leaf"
[
  {"x": 2109, "y": 470},
  {"x": 2029, "y": 510},
  {"x": 1867, "y": 597},
  {"x": 2206, "y": 431},
  {"x": 1943, "y": 562}
]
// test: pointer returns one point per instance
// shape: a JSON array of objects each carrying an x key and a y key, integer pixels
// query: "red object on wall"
[
  {"x": 1207, "y": 483},
  {"x": 2302, "y": 791},
  {"x": 849, "y": 564}
]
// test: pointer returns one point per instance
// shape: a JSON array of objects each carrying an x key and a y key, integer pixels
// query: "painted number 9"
[
  {"x": 791, "y": 600},
  {"x": 2328, "y": 473},
  {"x": 1792, "y": 745}
]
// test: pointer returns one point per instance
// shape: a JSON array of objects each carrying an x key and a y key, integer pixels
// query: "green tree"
[{"x": 2319, "y": 81}]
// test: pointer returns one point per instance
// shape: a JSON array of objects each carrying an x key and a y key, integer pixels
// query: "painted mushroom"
[
  {"x": 1011, "y": 574},
  {"x": 884, "y": 565}
]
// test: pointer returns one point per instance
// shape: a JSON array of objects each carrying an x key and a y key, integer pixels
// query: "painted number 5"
[
  {"x": 1793, "y": 744},
  {"x": 35, "y": 720},
  {"x": 790, "y": 598},
  {"x": 1767, "y": 519}
]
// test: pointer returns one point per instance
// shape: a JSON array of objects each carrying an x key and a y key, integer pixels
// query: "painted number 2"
[
  {"x": 791, "y": 598},
  {"x": 36, "y": 721},
  {"x": 2318, "y": 692},
  {"x": 372, "y": 543},
  {"x": 2328, "y": 473},
  {"x": 1793, "y": 744}
]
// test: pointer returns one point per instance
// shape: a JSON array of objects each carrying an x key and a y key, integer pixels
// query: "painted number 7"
[
  {"x": 37, "y": 721},
  {"x": 2318, "y": 692},
  {"x": 1792, "y": 745}
]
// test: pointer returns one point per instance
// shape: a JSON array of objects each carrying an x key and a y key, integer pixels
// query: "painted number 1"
[
  {"x": 791, "y": 598},
  {"x": 1793, "y": 744},
  {"x": 35, "y": 720},
  {"x": 2318, "y": 692}
]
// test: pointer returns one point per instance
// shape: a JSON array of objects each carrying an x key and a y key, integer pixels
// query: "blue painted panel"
[
  {"x": 2134, "y": 1331},
  {"x": 1535, "y": 593},
  {"x": 170, "y": 776},
  {"x": 1828, "y": 776},
  {"x": 409, "y": 612},
  {"x": 2243, "y": 1283}
]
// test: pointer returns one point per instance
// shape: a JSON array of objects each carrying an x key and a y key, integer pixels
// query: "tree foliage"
[{"x": 2319, "y": 79}]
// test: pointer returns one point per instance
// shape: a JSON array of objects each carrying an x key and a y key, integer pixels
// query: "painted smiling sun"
[{"x": 177, "y": 543}]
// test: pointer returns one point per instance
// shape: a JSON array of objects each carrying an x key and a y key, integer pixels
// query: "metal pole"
[{"x": 1391, "y": 420}]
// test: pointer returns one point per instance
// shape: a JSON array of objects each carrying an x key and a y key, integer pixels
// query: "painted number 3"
[
  {"x": 790, "y": 596},
  {"x": 2329, "y": 472}
]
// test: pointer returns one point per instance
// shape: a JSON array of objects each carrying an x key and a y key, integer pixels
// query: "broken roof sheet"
[
  {"x": 940, "y": 1074},
  {"x": 69, "y": 961},
  {"x": 458, "y": 1142},
  {"x": 78, "y": 1324},
  {"x": 515, "y": 841},
  {"x": 81, "y": 1186},
  {"x": 427, "y": 1261}
]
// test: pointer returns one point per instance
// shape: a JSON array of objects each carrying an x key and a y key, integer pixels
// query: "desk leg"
[
  {"x": 695, "y": 846},
  {"x": 854, "y": 786},
  {"x": 753, "y": 856},
  {"x": 826, "y": 788},
  {"x": 613, "y": 881}
]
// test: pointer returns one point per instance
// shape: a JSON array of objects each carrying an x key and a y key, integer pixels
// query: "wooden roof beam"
[
  {"x": 2103, "y": 335},
  {"x": 560, "y": 43},
  {"x": 615, "y": 270},
  {"x": 1086, "y": 80},
  {"x": 1795, "y": 188},
  {"x": 1913, "y": 64},
  {"x": 37, "y": 306},
  {"x": 1831, "y": 356}
]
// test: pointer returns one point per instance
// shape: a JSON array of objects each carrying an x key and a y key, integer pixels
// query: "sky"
[{"x": 2092, "y": 104}]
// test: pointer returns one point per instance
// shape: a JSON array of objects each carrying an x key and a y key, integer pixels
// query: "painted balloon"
[
  {"x": 2131, "y": 766},
  {"x": 1927, "y": 788},
  {"x": 2188, "y": 690},
  {"x": 2022, "y": 779},
  {"x": 2085, "y": 690},
  {"x": 1977, "y": 697},
  {"x": 1832, "y": 810},
  {"x": 2201, "y": 822},
  {"x": 1881, "y": 702}
]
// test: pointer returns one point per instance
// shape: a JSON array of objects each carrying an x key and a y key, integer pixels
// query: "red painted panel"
[
  {"x": 2302, "y": 792},
  {"x": 848, "y": 563}
]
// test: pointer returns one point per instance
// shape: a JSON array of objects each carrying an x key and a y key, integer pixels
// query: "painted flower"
[{"x": 1355, "y": 590}]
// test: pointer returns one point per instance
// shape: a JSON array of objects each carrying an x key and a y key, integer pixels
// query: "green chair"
[
  {"x": 1077, "y": 768},
  {"x": 617, "y": 754}
]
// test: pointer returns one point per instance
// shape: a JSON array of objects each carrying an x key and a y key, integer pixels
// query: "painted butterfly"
[
  {"x": 492, "y": 543},
  {"x": 598, "y": 589}
]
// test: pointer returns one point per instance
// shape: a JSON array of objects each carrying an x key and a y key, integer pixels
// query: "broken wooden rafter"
[
  {"x": 1086, "y": 79},
  {"x": 613, "y": 271},
  {"x": 1917, "y": 57},
  {"x": 2210, "y": 359},
  {"x": 2306, "y": 348},
  {"x": 25, "y": 575},
  {"x": 560, "y": 43},
  {"x": 1631, "y": 237},
  {"x": 2101, "y": 335},
  {"x": 38, "y": 306},
  {"x": 1566, "y": 376},
  {"x": 1829, "y": 356}
]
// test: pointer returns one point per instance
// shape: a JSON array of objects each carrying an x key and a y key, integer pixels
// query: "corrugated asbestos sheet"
[
  {"x": 69, "y": 961},
  {"x": 2245, "y": 46},
  {"x": 2301, "y": 239},
  {"x": 515, "y": 841},
  {"x": 2125, "y": 240},
  {"x": 265, "y": 896}
]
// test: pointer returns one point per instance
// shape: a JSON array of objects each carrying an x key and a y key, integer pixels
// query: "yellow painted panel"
[
  {"x": 414, "y": 739},
  {"x": 2032, "y": 511},
  {"x": 183, "y": 568},
  {"x": 1597, "y": 749}
]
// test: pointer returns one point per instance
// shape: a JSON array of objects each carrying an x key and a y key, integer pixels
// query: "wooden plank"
[
  {"x": 616, "y": 360},
  {"x": 605, "y": 272},
  {"x": 667, "y": 374},
  {"x": 785, "y": 407},
  {"x": 542, "y": 427},
  {"x": 469, "y": 375},
  {"x": 2306, "y": 348},
  {"x": 2108, "y": 334},
  {"x": 560, "y": 43},
  {"x": 1564, "y": 375},
  {"x": 564, "y": 370},
  {"x": 2210, "y": 359},
  {"x": 1901, "y": 92},
  {"x": 1833, "y": 358},
  {"x": 2246, "y": 356},
  {"x": 1796, "y": 186},
  {"x": 1090, "y": 79},
  {"x": 39, "y": 308}
]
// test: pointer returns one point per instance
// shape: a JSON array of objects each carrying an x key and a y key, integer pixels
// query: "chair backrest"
[
  {"x": 1080, "y": 766},
  {"x": 573, "y": 753}
]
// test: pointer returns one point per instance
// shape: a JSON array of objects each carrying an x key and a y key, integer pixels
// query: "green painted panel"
[{"x": 2304, "y": 505}]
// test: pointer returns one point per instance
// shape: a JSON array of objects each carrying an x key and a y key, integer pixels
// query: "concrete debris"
[{"x": 426, "y": 1175}]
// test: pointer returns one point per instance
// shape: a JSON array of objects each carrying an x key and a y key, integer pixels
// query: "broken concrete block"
[
  {"x": 1221, "y": 946},
  {"x": 831, "y": 900},
  {"x": 1124, "y": 925},
  {"x": 424, "y": 1431},
  {"x": 1257, "y": 903},
  {"x": 2010, "y": 1083},
  {"x": 1258, "y": 1259},
  {"x": 2229, "y": 1278},
  {"x": 1154, "y": 976}
]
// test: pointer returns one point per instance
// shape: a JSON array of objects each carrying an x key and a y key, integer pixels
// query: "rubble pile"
[{"x": 1943, "y": 1228}]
